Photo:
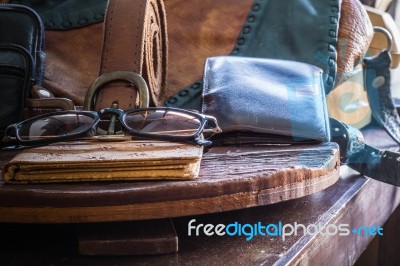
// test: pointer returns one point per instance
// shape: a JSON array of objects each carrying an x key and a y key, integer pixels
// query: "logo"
[{"x": 249, "y": 231}]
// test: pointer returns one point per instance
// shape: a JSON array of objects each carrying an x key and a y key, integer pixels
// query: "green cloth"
[
  {"x": 67, "y": 14},
  {"x": 297, "y": 30}
]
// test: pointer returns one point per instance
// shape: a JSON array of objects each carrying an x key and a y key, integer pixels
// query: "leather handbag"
[
  {"x": 342, "y": 37},
  {"x": 21, "y": 60},
  {"x": 334, "y": 48},
  {"x": 116, "y": 87},
  {"x": 77, "y": 55}
]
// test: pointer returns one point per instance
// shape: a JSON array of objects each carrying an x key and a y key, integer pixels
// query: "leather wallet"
[
  {"x": 93, "y": 160},
  {"x": 21, "y": 60},
  {"x": 269, "y": 96}
]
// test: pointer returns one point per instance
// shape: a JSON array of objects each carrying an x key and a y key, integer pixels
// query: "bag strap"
[
  {"x": 377, "y": 85},
  {"x": 381, "y": 165},
  {"x": 135, "y": 40}
]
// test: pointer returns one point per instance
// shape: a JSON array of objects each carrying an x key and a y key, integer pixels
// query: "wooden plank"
[
  {"x": 368, "y": 203},
  {"x": 128, "y": 238},
  {"x": 230, "y": 178},
  {"x": 35, "y": 243}
]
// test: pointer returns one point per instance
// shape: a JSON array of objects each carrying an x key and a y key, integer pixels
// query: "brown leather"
[
  {"x": 135, "y": 39},
  {"x": 355, "y": 35},
  {"x": 51, "y": 103},
  {"x": 72, "y": 61},
  {"x": 74, "y": 57},
  {"x": 92, "y": 160},
  {"x": 214, "y": 27},
  {"x": 196, "y": 30}
]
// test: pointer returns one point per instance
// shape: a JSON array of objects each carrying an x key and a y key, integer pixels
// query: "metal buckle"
[
  {"x": 388, "y": 36},
  {"x": 132, "y": 77}
]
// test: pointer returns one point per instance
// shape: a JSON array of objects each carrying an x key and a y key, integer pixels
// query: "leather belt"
[{"x": 135, "y": 40}]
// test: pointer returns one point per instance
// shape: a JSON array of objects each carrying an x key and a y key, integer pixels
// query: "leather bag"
[
  {"x": 21, "y": 60},
  {"x": 136, "y": 41},
  {"x": 94, "y": 160},
  {"x": 337, "y": 46}
]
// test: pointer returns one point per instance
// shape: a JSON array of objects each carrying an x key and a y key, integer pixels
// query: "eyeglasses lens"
[
  {"x": 55, "y": 126},
  {"x": 163, "y": 122}
]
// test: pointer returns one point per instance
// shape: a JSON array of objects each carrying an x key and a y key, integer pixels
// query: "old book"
[{"x": 91, "y": 160}]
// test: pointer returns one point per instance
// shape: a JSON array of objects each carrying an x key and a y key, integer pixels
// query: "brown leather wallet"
[{"x": 92, "y": 160}]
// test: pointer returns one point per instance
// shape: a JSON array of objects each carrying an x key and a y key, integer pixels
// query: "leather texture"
[
  {"x": 381, "y": 165},
  {"x": 266, "y": 96},
  {"x": 377, "y": 84},
  {"x": 21, "y": 60},
  {"x": 265, "y": 34},
  {"x": 22, "y": 26},
  {"x": 14, "y": 85},
  {"x": 355, "y": 35},
  {"x": 92, "y": 160},
  {"x": 140, "y": 48},
  {"x": 133, "y": 38},
  {"x": 71, "y": 70},
  {"x": 67, "y": 14}
]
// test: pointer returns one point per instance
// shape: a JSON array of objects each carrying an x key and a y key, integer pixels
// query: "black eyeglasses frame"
[{"x": 120, "y": 114}]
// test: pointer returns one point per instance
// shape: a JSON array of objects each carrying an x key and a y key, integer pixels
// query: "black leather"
[
  {"x": 266, "y": 29},
  {"x": 377, "y": 84},
  {"x": 22, "y": 26},
  {"x": 266, "y": 96},
  {"x": 21, "y": 60},
  {"x": 381, "y": 165}
]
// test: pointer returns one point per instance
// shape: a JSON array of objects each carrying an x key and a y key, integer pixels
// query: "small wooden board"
[
  {"x": 128, "y": 238},
  {"x": 230, "y": 178}
]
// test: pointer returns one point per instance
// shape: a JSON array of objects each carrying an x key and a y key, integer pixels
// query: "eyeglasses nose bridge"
[{"x": 136, "y": 79}]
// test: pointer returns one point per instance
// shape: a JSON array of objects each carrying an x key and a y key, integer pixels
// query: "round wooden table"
[{"x": 230, "y": 178}]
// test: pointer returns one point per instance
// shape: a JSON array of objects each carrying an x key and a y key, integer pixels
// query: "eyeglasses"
[{"x": 162, "y": 123}]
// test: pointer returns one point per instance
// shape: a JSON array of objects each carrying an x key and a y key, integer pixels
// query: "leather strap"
[
  {"x": 135, "y": 39},
  {"x": 381, "y": 165},
  {"x": 377, "y": 84}
]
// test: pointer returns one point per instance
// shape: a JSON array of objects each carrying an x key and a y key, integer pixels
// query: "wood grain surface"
[{"x": 230, "y": 178}]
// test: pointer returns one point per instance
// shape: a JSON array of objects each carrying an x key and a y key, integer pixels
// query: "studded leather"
[
  {"x": 253, "y": 41},
  {"x": 260, "y": 37}
]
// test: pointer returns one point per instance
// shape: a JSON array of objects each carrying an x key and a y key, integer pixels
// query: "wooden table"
[{"x": 353, "y": 200}]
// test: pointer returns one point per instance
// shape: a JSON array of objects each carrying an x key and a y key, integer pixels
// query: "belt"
[{"x": 135, "y": 40}]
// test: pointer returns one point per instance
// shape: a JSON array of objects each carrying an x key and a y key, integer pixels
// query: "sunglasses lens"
[
  {"x": 55, "y": 126},
  {"x": 163, "y": 122}
]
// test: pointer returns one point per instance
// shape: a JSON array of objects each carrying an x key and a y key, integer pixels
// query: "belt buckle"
[{"x": 132, "y": 77}]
